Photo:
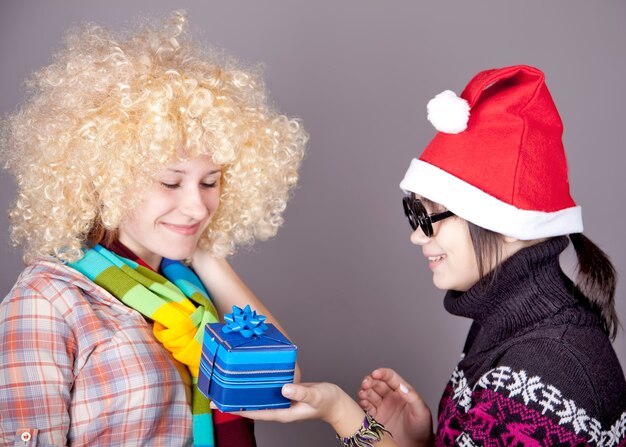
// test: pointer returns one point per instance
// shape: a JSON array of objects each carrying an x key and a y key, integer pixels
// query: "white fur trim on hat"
[
  {"x": 484, "y": 210},
  {"x": 448, "y": 113}
]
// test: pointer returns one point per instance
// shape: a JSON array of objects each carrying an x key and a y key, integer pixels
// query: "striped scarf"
[{"x": 169, "y": 302}]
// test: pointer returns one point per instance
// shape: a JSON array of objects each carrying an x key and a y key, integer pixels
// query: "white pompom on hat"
[
  {"x": 504, "y": 168},
  {"x": 448, "y": 113}
]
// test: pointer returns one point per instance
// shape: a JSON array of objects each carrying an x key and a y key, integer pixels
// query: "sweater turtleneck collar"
[{"x": 530, "y": 286}]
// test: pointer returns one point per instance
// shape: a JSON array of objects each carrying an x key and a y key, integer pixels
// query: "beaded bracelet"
[{"x": 371, "y": 431}]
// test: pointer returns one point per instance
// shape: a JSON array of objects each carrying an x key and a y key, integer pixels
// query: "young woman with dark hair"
[{"x": 490, "y": 207}]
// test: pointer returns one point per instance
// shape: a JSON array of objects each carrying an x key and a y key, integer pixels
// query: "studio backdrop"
[{"x": 341, "y": 275}]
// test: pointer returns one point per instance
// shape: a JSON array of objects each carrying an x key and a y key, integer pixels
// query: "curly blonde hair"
[{"x": 112, "y": 110}]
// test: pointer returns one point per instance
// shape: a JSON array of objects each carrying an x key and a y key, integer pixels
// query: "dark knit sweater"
[{"x": 537, "y": 368}]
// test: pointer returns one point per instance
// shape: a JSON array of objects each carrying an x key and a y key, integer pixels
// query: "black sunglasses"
[{"x": 418, "y": 216}]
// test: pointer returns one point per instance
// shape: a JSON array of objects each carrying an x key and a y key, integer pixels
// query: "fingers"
[
  {"x": 369, "y": 399},
  {"x": 292, "y": 392},
  {"x": 297, "y": 392},
  {"x": 305, "y": 400},
  {"x": 280, "y": 415},
  {"x": 377, "y": 386},
  {"x": 389, "y": 376},
  {"x": 374, "y": 389},
  {"x": 372, "y": 392},
  {"x": 385, "y": 376},
  {"x": 385, "y": 380},
  {"x": 382, "y": 381}
]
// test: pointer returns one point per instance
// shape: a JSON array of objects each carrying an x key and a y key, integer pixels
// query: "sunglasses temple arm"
[{"x": 440, "y": 216}]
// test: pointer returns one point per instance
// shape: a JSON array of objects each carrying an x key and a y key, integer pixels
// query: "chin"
[
  {"x": 441, "y": 287},
  {"x": 453, "y": 283},
  {"x": 440, "y": 284}
]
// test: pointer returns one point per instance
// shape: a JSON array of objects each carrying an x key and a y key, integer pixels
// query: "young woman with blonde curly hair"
[{"x": 135, "y": 151}]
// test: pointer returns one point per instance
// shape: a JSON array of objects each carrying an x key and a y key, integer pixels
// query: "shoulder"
[
  {"x": 54, "y": 304},
  {"x": 50, "y": 284},
  {"x": 49, "y": 293},
  {"x": 36, "y": 320},
  {"x": 578, "y": 362},
  {"x": 43, "y": 288},
  {"x": 561, "y": 384}
]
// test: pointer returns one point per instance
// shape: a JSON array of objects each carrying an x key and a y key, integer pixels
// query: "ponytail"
[{"x": 596, "y": 279}]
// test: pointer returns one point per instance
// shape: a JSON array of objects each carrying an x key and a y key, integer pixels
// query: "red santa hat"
[{"x": 498, "y": 159}]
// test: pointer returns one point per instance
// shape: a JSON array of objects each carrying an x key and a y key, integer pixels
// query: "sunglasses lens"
[
  {"x": 410, "y": 213},
  {"x": 417, "y": 215},
  {"x": 425, "y": 224}
]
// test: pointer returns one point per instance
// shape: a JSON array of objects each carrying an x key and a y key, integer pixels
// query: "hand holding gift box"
[{"x": 245, "y": 363}]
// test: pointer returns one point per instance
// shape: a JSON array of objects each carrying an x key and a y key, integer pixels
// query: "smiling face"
[
  {"x": 450, "y": 253},
  {"x": 174, "y": 212}
]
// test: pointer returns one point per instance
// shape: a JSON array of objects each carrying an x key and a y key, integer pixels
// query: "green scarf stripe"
[
  {"x": 195, "y": 293},
  {"x": 139, "y": 273},
  {"x": 131, "y": 292},
  {"x": 197, "y": 317},
  {"x": 113, "y": 282},
  {"x": 122, "y": 286},
  {"x": 135, "y": 298},
  {"x": 206, "y": 319},
  {"x": 162, "y": 289},
  {"x": 151, "y": 274},
  {"x": 199, "y": 299},
  {"x": 200, "y": 404}
]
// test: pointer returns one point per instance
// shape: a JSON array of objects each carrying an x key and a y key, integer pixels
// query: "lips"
[
  {"x": 184, "y": 230},
  {"x": 434, "y": 261}
]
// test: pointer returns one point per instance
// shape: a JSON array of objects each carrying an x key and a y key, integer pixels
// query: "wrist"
[
  {"x": 346, "y": 415},
  {"x": 370, "y": 433},
  {"x": 201, "y": 259},
  {"x": 211, "y": 270}
]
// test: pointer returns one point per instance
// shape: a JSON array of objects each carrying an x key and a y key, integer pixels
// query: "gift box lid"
[{"x": 272, "y": 339}]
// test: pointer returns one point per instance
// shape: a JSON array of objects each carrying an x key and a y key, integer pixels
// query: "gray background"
[{"x": 342, "y": 276}]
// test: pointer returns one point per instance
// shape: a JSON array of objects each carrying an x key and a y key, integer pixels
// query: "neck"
[
  {"x": 121, "y": 249},
  {"x": 529, "y": 287},
  {"x": 153, "y": 260}
]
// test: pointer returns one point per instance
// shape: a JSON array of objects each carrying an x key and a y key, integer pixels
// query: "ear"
[
  {"x": 510, "y": 239},
  {"x": 511, "y": 245}
]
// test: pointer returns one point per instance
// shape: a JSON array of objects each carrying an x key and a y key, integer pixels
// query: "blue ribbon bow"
[{"x": 245, "y": 321}]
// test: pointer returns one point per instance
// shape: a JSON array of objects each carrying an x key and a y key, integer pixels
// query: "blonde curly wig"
[{"x": 112, "y": 110}]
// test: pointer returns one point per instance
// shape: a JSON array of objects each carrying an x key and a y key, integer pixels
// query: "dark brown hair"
[
  {"x": 98, "y": 234},
  {"x": 596, "y": 279}
]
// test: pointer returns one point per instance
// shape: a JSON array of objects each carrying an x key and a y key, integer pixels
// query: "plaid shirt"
[{"x": 77, "y": 367}]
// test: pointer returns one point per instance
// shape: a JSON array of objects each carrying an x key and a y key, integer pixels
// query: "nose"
[
  {"x": 193, "y": 205},
  {"x": 418, "y": 237}
]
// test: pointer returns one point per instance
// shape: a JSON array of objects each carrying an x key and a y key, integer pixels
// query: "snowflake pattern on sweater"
[{"x": 509, "y": 407}]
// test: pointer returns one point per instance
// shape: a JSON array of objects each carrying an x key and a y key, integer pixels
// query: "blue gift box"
[{"x": 239, "y": 373}]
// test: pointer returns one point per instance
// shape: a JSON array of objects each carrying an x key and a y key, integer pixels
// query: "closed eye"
[
  {"x": 170, "y": 185},
  {"x": 209, "y": 185}
]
